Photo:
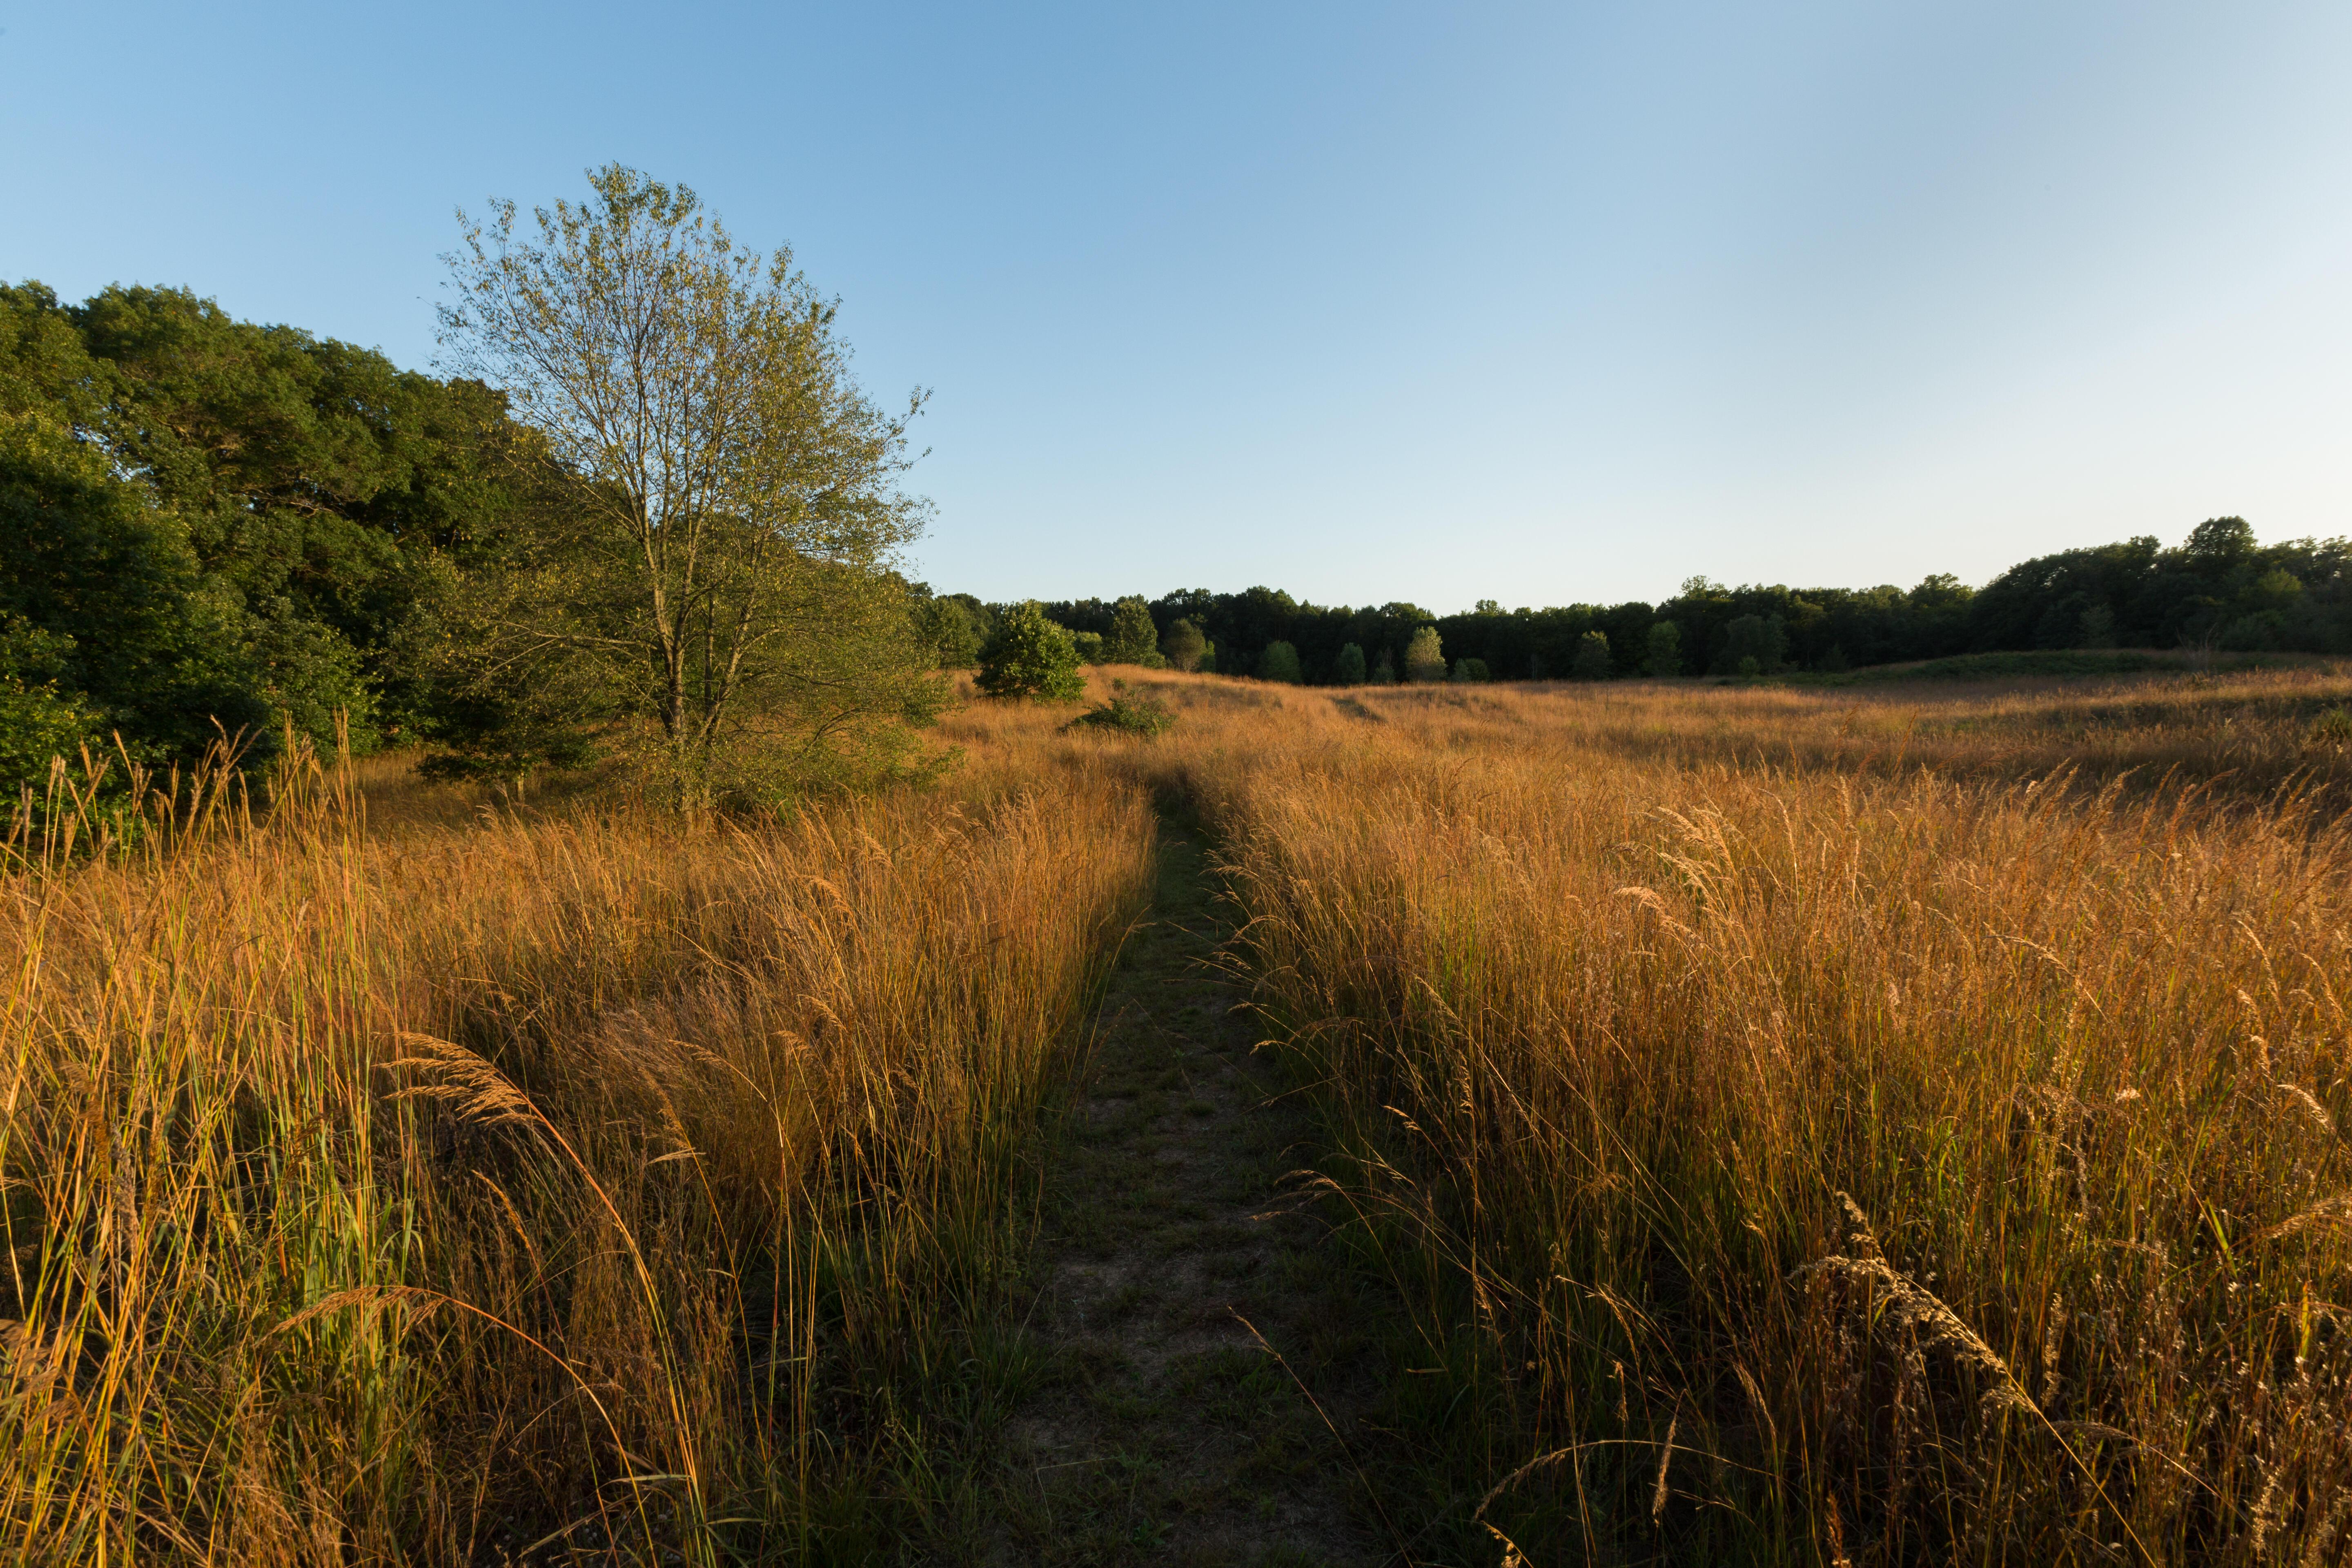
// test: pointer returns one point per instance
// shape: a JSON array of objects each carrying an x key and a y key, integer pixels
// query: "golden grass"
[
  {"x": 413, "y": 1196},
  {"x": 1905, "y": 1126},
  {"x": 1826, "y": 1126}
]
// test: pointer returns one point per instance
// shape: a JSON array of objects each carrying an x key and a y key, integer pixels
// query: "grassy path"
[{"x": 1167, "y": 1431}]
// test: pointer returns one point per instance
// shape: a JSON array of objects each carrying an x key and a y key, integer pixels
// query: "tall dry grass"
[
  {"x": 503, "y": 1180},
  {"x": 1803, "y": 1143}
]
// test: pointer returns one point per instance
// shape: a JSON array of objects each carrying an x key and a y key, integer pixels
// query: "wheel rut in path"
[{"x": 1208, "y": 1350}]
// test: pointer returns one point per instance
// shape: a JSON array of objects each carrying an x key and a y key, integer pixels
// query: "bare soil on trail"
[{"x": 1209, "y": 1356}]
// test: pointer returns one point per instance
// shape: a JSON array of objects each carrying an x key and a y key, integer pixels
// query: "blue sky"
[{"x": 1436, "y": 302}]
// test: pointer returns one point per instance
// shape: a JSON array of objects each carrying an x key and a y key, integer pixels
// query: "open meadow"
[{"x": 1900, "y": 1123}]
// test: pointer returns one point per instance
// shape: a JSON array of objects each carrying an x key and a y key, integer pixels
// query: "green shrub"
[
  {"x": 1350, "y": 668},
  {"x": 1592, "y": 657},
  {"x": 1128, "y": 715},
  {"x": 1031, "y": 657},
  {"x": 1384, "y": 669},
  {"x": 1090, "y": 648},
  {"x": 1468, "y": 670}
]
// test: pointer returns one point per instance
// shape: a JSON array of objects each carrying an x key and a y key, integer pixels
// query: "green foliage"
[
  {"x": 714, "y": 585},
  {"x": 1593, "y": 659},
  {"x": 1089, "y": 645},
  {"x": 1184, "y": 646},
  {"x": 2097, "y": 628},
  {"x": 1761, "y": 641},
  {"x": 1349, "y": 670},
  {"x": 1132, "y": 638},
  {"x": 1279, "y": 662},
  {"x": 1031, "y": 657},
  {"x": 290, "y": 504},
  {"x": 105, "y": 619},
  {"x": 1663, "y": 657},
  {"x": 1129, "y": 715},
  {"x": 952, "y": 627},
  {"x": 1425, "y": 656},
  {"x": 1384, "y": 669},
  {"x": 1469, "y": 670}
]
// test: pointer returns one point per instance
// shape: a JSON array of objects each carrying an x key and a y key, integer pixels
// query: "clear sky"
[{"x": 1439, "y": 302}]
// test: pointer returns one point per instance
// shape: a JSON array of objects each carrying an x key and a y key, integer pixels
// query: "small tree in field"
[
  {"x": 1470, "y": 670},
  {"x": 1350, "y": 670},
  {"x": 1184, "y": 645},
  {"x": 1132, "y": 638},
  {"x": 1279, "y": 662},
  {"x": 1664, "y": 654},
  {"x": 1425, "y": 656},
  {"x": 1592, "y": 660},
  {"x": 1031, "y": 657},
  {"x": 1384, "y": 669},
  {"x": 714, "y": 572}
]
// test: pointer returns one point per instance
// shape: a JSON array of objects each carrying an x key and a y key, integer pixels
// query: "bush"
[
  {"x": 1145, "y": 716},
  {"x": 1467, "y": 670},
  {"x": 1279, "y": 662},
  {"x": 1384, "y": 669},
  {"x": 1090, "y": 648},
  {"x": 1425, "y": 656},
  {"x": 1592, "y": 657},
  {"x": 1031, "y": 657},
  {"x": 1349, "y": 669}
]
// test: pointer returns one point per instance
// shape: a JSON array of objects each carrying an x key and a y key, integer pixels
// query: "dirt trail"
[{"x": 1169, "y": 1432}]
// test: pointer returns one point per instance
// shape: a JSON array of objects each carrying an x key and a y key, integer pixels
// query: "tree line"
[{"x": 2220, "y": 590}]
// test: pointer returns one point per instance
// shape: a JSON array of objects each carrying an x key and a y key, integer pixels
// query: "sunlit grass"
[{"x": 422, "y": 1194}]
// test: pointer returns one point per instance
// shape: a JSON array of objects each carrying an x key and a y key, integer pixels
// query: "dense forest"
[{"x": 214, "y": 527}]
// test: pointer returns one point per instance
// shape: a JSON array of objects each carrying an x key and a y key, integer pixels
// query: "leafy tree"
[
  {"x": 1279, "y": 662},
  {"x": 1349, "y": 669},
  {"x": 1030, "y": 656},
  {"x": 1089, "y": 645},
  {"x": 1184, "y": 645},
  {"x": 1425, "y": 656},
  {"x": 1468, "y": 670},
  {"x": 1593, "y": 659},
  {"x": 716, "y": 579},
  {"x": 1384, "y": 669},
  {"x": 104, "y": 617},
  {"x": 2096, "y": 629},
  {"x": 950, "y": 629},
  {"x": 1132, "y": 638},
  {"x": 1665, "y": 645}
]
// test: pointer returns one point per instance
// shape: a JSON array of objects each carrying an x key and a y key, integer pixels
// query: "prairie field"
[{"x": 1793, "y": 1125}]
